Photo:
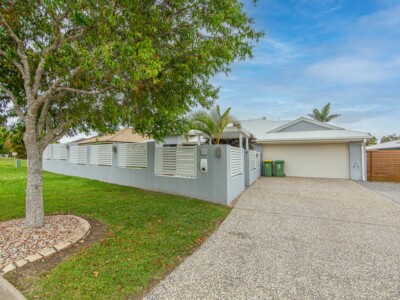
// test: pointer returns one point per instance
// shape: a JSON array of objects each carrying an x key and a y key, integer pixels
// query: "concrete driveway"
[
  {"x": 297, "y": 238},
  {"x": 390, "y": 190}
]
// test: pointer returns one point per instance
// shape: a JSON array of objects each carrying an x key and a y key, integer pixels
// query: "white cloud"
[
  {"x": 354, "y": 69},
  {"x": 272, "y": 51},
  {"x": 317, "y": 8},
  {"x": 383, "y": 18}
]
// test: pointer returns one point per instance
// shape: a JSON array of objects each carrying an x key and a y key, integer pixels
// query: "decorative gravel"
[{"x": 18, "y": 241}]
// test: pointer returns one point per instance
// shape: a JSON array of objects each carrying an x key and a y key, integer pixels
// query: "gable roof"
[
  {"x": 267, "y": 131},
  {"x": 124, "y": 135},
  {"x": 258, "y": 127},
  {"x": 302, "y": 119}
]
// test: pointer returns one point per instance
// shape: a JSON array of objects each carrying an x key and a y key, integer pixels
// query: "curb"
[
  {"x": 8, "y": 291},
  {"x": 80, "y": 234}
]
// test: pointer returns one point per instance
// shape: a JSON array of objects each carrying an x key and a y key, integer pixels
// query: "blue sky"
[
  {"x": 346, "y": 52},
  {"x": 315, "y": 51}
]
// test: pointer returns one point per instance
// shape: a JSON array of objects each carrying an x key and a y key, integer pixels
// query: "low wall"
[{"x": 214, "y": 185}]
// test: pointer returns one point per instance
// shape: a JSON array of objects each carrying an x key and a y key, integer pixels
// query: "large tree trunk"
[{"x": 34, "y": 213}]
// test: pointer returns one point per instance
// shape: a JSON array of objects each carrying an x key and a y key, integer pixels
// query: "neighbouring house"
[
  {"x": 384, "y": 162},
  {"x": 124, "y": 135},
  {"x": 311, "y": 148},
  {"x": 393, "y": 145}
]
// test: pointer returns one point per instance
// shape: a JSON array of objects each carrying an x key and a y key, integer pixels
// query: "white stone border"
[{"x": 80, "y": 234}]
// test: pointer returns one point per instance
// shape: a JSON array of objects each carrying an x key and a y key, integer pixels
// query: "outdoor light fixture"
[{"x": 114, "y": 147}]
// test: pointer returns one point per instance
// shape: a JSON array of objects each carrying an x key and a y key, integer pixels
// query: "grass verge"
[{"x": 149, "y": 234}]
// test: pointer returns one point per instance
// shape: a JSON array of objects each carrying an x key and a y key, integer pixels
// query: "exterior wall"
[
  {"x": 215, "y": 185},
  {"x": 356, "y": 163},
  {"x": 303, "y": 126}
]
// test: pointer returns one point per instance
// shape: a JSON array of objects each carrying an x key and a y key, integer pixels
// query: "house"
[
  {"x": 394, "y": 145},
  {"x": 124, "y": 135},
  {"x": 311, "y": 148}
]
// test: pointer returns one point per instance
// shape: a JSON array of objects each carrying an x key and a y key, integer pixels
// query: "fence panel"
[
  {"x": 383, "y": 165},
  {"x": 101, "y": 155},
  {"x": 254, "y": 159},
  {"x": 132, "y": 155},
  {"x": 47, "y": 152},
  {"x": 186, "y": 161},
  {"x": 59, "y": 151},
  {"x": 236, "y": 161},
  {"x": 77, "y": 155},
  {"x": 180, "y": 161}
]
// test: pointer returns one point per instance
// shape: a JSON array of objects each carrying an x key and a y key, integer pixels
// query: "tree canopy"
[
  {"x": 75, "y": 65},
  {"x": 4, "y": 134},
  {"x": 324, "y": 115},
  {"x": 15, "y": 140},
  {"x": 372, "y": 141},
  {"x": 82, "y": 65},
  {"x": 390, "y": 138}
]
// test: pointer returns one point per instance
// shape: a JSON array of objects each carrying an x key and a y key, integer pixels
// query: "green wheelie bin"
[
  {"x": 267, "y": 168},
  {"x": 280, "y": 168}
]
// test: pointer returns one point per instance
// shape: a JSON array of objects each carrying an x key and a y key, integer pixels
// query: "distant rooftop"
[
  {"x": 385, "y": 146},
  {"x": 122, "y": 136}
]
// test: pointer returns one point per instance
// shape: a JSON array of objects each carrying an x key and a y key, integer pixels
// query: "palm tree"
[
  {"x": 212, "y": 123},
  {"x": 323, "y": 115}
]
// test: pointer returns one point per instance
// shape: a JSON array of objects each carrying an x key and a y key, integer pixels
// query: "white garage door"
[{"x": 311, "y": 160}]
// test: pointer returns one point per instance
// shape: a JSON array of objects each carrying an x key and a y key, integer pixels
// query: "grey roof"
[
  {"x": 259, "y": 127},
  {"x": 387, "y": 146},
  {"x": 302, "y": 119}
]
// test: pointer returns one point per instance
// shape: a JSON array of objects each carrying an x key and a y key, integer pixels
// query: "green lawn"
[{"x": 149, "y": 233}]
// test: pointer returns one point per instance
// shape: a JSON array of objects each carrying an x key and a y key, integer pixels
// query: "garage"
[{"x": 325, "y": 160}]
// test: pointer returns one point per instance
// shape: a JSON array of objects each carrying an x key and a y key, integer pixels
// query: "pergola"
[{"x": 229, "y": 133}]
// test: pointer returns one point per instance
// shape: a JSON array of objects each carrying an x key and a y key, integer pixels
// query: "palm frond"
[
  {"x": 323, "y": 115},
  {"x": 212, "y": 123}
]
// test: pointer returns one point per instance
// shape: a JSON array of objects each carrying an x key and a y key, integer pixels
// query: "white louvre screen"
[
  {"x": 101, "y": 155},
  {"x": 254, "y": 159},
  {"x": 236, "y": 161},
  {"x": 77, "y": 155},
  {"x": 47, "y": 152},
  {"x": 177, "y": 161},
  {"x": 59, "y": 151},
  {"x": 132, "y": 155}
]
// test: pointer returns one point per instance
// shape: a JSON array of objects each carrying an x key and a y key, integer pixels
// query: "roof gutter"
[
  {"x": 363, "y": 162},
  {"x": 352, "y": 139}
]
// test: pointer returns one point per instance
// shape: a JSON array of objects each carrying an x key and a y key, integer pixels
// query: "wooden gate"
[{"x": 383, "y": 165}]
